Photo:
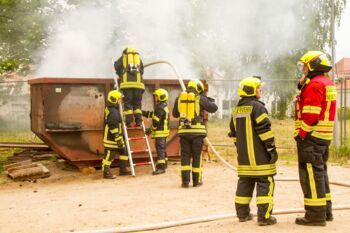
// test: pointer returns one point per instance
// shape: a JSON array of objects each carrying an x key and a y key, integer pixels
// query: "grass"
[{"x": 283, "y": 131}]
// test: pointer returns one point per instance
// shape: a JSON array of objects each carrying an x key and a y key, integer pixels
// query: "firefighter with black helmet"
[
  {"x": 129, "y": 68},
  {"x": 160, "y": 127},
  {"x": 189, "y": 107},
  {"x": 250, "y": 129},
  {"x": 113, "y": 140},
  {"x": 315, "y": 111}
]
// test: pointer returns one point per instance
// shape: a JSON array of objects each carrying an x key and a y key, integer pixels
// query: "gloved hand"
[
  {"x": 230, "y": 134},
  {"x": 273, "y": 154},
  {"x": 211, "y": 99},
  {"x": 148, "y": 131},
  {"x": 120, "y": 143}
]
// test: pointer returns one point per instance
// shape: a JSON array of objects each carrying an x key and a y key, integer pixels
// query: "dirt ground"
[{"x": 70, "y": 201}]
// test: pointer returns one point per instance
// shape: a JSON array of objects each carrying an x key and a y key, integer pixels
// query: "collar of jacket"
[{"x": 245, "y": 100}]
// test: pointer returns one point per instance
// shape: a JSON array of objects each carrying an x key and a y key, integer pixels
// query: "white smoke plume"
[{"x": 87, "y": 38}]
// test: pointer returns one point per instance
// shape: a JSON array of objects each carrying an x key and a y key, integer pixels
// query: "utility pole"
[{"x": 335, "y": 135}]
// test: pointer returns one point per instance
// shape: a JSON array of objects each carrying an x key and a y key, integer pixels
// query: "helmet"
[
  {"x": 114, "y": 96},
  {"x": 316, "y": 61},
  {"x": 196, "y": 84},
  {"x": 247, "y": 87},
  {"x": 161, "y": 94}
]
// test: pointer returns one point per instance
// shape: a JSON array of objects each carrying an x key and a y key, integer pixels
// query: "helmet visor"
[{"x": 300, "y": 69}]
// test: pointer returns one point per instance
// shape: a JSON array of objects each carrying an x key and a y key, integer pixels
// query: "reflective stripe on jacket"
[
  {"x": 315, "y": 108},
  {"x": 251, "y": 130}
]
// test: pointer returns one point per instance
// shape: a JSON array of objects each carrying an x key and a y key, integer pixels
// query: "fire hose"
[{"x": 168, "y": 224}]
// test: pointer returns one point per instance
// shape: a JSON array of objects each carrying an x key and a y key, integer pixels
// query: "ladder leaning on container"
[{"x": 128, "y": 139}]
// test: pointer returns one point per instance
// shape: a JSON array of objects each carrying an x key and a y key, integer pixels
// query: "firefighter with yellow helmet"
[
  {"x": 189, "y": 107},
  {"x": 315, "y": 111},
  {"x": 113, "y": 140},
  {"x": 129, "y": 68},
  {"x": 250, "y": 129},
  {"x": 160, "y": 127}
]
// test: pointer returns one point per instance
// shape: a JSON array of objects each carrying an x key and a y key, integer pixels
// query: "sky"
[{"x": 342, "y": 35}]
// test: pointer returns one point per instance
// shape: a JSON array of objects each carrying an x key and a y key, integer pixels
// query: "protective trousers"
[
  {"x": 110, "y": 155},
  {"x": 191, "y": 147},
  {"x": 313, "y": 155},
  {"x": 132, "y": 105},
  {"x": 161, "y": 153},
  {"x": 265, "y": 187}
]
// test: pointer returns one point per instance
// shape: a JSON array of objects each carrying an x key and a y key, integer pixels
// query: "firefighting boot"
[
  {"x": 306, "y": 222},
  {"x": 269, "y": 221},
  {"x": 107, "y": 173},
  {"x": 329, "y": 217},
  {"x": 160, "y": 169},
  {"x": 123, "y": 171},
  {"x": 245, "y": 219},
  {"x": 195, "y": 179}
]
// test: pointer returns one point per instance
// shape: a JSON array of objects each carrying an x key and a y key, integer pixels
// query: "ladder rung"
[
  {"x": 139, "y": 151},
  {"x": 142, "y": 164},
  {"x": 136, "y": 138}
]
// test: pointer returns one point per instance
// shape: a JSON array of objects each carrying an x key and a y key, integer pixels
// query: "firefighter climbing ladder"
[{"x": 128, "y": 139}]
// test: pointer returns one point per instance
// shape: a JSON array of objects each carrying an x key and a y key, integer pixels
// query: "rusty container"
[{"x": 67, "y": 114}]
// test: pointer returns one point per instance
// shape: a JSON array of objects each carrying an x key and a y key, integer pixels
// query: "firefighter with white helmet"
[
  {"x": 160, "y": 127},
  {"x": 250, "y": 129},
  {"x": 113, "y": 140},
  {"x": 189, "y": 107},
  {"x": 315, "y": 111}
]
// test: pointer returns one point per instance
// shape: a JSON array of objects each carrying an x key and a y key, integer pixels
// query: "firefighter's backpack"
[
  {"x": 131, "y": 61},
  {"x": 188, "y": 105}
]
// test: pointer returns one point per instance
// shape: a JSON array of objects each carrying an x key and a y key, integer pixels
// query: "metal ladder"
[
  {"x": 127, "y": 140},
  {"x": 130, "y": 152}
]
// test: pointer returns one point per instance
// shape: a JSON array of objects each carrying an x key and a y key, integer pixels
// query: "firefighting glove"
[
  {"x": 273, "y": 155},
  {"x": 230, "y": 134},
  {"x": 148, "y": 131},
  {"x": 211, "y": 99},
  {"x": 120, "y": 142}
]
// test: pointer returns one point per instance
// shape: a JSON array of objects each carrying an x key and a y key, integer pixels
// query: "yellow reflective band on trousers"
[
  {"x": 123, "y": 157},
  {"x": 312, "y": 109},
  {"x": 186, "y": 168},
  {"x": 314, "y": 200},
  {"x": 258, "y": 170},
  {"x": 128, "y": 112},
  {"x": 161, "y": 161},
  {"x": 266, "y": 135},
  {"x": 137, "y": 111},
  {"x": 243, "y": 200},
  {"x": 261, "y": 118},
  {"x": 105, "y": 161},
  {"x": 328, "y": 197},
  {"x": 250, "y": 141}
]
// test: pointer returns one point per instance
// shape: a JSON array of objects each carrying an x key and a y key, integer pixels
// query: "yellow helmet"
[
  {"x": 161, "y": 94},
  {"x": 196, "y": 84},
  {"x": 130, "y": 50},
  {"x": 114, "y": 96},
  {"x": 247, "y": 86},
  {"x": 316, "y": 61}
]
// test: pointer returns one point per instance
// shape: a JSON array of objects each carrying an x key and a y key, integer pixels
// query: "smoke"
[{"x": 191, "y": 34}]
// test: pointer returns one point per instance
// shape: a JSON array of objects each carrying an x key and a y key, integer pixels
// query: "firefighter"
[
  {"x": 250, "y": 129},
  {"x": 129, "y": 68},
  {"x": 159, "y": 128},
  {"x": 113, "y": 140},
  {"x": 189, "y": 107},
  {"x": 314, "y": 121}
]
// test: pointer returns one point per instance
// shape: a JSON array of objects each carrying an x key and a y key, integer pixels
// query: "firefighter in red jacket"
[
  {"x": 251, "y": 132},
  {"x": 315, "y": 111}
]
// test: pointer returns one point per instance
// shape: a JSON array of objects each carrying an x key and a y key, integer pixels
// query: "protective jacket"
[
  {"x": 113, "y": 131},
  {"x": 198, "y": 127},
  {"x": 251, "y": 132},
  {"x": 160, "y": 120},
  {"x": 129, "y": 78},
  {"x": 315, "y": 108}
]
